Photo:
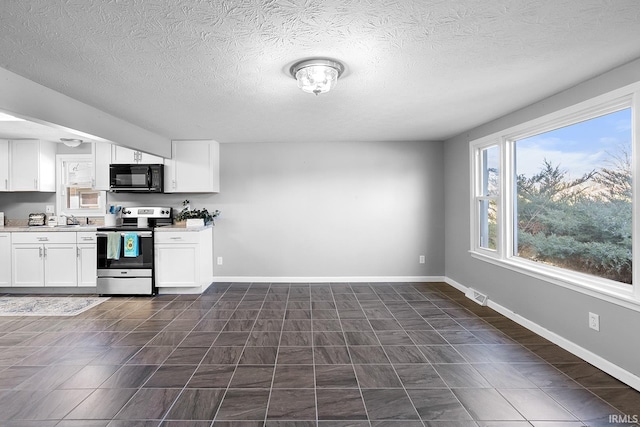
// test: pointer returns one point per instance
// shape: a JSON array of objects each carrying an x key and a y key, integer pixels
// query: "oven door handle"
[{"x": 139, "y": 233}]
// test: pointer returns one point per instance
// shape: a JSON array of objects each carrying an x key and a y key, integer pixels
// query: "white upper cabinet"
[
  {"x": 32, "y": 165},
  {"x": 122, "y": 155},
  {"x": 194, "y": 167},
  {"x": 101, "y": 160},
  {"x": 4, "y": 165}
]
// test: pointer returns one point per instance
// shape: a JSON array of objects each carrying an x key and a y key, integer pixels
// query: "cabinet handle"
[
  {"x": 35, "y": 184},
  {"x": 78, "y": 252},
  {"x": 43, "y": 239},
  {"x": 45, "y": 253},
  {"x": 175, "y": 238},
  {"x": 40, "y": 252},
  {"x": 174, "y": 184},
  {"x": 6, "y": 184}
]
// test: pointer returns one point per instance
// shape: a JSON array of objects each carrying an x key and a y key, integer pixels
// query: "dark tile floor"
[{"x": 297, "y": 355}]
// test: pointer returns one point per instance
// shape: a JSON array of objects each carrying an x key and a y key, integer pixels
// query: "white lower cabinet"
[
  {"x": 87, "y": 254},
  {"x": 184, "y": 259},
  {"x": 60, "y": 265},
  {"x": 43, "y": 259},
  {"x": 5, "y": 259}
]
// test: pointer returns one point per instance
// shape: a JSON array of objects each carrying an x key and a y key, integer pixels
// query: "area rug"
[{"x": 47, "y": 306}]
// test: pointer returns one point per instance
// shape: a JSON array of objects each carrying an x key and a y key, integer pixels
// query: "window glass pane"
[
  {"x": 574, "y": 199},
  {"x": 488, "y": 224},
  {"x": 75, "y": 193},
  {"x": 489, "y": 171}
]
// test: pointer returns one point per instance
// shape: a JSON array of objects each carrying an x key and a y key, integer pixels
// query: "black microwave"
[{"x": 136, "y": 178}]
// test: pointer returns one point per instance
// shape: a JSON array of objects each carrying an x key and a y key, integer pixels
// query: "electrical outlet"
[
  {"x": 594, "y": 321},
  {"x": 219, "y": 260},
  {"x": 50, "y": 209},
  {"x": 421, "y": 260}
]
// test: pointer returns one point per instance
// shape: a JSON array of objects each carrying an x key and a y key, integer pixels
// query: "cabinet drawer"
[
  {"x": 52, "y": 237},
  {"x": 177, "y": 237},
  {"x": 86, "y": 237}
]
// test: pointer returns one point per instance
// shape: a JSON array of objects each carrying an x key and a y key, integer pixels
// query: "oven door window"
[{"x": 143, "y": 260}]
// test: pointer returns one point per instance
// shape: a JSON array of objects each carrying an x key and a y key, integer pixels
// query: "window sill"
[{"x": 603, "y": 289}]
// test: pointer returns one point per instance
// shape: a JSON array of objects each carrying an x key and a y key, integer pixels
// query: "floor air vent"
[{"x": 476, "y": 296}]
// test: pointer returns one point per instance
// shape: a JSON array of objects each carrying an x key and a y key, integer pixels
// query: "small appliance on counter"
[
  {"x": 126, "y": 252},
  {"x": 36, "y": 219},
  {"x": 1, "y": 219}
]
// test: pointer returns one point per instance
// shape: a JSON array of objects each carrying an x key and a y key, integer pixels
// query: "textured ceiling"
[{"x": 416, "y": 69}]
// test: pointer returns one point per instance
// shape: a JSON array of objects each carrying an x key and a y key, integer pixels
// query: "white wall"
[
  {"x": 559, "y": 310},
  {"x": 325, "y": 210}
]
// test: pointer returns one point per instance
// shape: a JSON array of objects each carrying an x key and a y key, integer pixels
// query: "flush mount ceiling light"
[
  {"x": 71, "y": 142},
  {"x": 316, "y": 75}
]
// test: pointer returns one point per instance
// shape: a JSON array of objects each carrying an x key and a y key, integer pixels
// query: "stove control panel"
[{"x": 146, "y": 212}]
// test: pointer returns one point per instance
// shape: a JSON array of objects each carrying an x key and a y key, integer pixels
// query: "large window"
[
  {"x": 573, "y": 197},
  {"x": 555, "y": 197}
]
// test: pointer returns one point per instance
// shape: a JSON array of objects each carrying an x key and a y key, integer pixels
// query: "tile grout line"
[
  {"x": 224, "y": 395},
  {"x": 355, "y": 374},
  {"x": 275, "y": 363},
  {"x": 385, "y": 352},
  {"x": 166, "y": 413}
]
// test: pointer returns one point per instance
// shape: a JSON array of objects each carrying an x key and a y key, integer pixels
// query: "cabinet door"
[
  {"x": 60, "y": 265},
  {"x": 123, "y": 155},
  {"x": 149, "y": 158},
  {"x": 87, "y": 265},
  {"x": 27, "y": 265},
  {"x": 25, "y": 164},
  {"x": 176, "y": 265},
  {"x": 4, "y": 165},
  {"x": 194, "y": 167},
  {"x": 102, "y": 160},
  {"x": 5, "y": 259}
]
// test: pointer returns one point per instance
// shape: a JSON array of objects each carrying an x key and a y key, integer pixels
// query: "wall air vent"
[{"x": 476, "y": 296}]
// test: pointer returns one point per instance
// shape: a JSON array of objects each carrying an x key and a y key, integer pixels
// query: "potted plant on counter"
[{"x": 195, "y": 217}]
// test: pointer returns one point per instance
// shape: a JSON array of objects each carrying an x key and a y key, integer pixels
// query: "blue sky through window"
[{"x": 578, "y": 148}]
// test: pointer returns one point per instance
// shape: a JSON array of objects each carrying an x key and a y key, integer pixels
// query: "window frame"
[
  {"x": 61, "y": 189},
  {"x": 504, "y": 255},
  {"x": 477, "y": 186}
]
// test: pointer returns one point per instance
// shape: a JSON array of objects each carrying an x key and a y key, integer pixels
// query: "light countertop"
[
  {"x": 174, "y": 227},
  {"x": 46, "y": 229}
]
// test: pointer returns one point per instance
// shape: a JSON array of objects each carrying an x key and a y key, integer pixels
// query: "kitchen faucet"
[{"x": 74, "y": 220}]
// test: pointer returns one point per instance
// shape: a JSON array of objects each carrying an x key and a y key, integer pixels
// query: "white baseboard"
[
  {"x": 181, "y": 291},
  {"x": 331, "y": 279},
  {"x": 603, "y": 364}
]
